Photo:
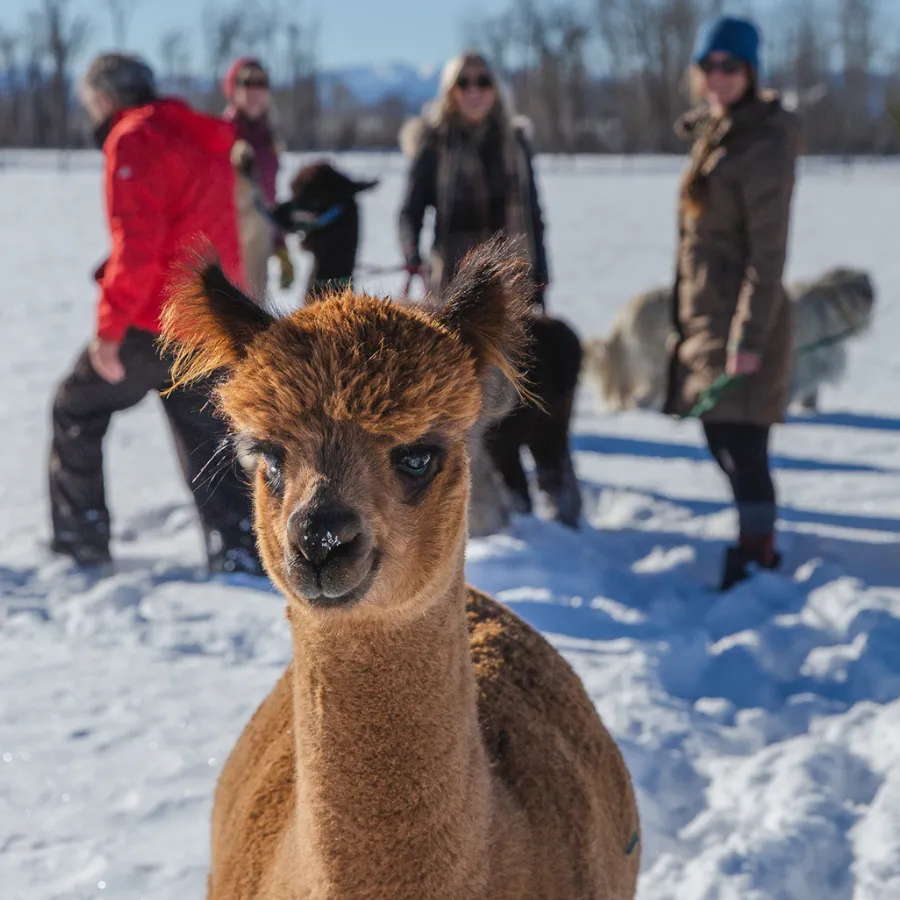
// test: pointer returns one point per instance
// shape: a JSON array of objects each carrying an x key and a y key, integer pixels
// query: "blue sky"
[{"x": 419, "y": 32}]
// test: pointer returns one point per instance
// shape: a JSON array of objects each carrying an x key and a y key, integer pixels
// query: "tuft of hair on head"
[
  {"x": 488, "y": 305},
  {"x": 207, "y": 321}
]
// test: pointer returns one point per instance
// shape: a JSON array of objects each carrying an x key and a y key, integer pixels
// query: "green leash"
[{"x": 712, "y": 396}]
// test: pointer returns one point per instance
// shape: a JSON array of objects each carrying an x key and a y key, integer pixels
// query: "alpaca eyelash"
[
  {"x": 400, "y": 454},
  {"x": 270, "y": 454}
]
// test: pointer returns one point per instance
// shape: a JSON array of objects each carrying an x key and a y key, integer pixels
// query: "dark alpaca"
[
  {"x": 324, "y": 212},
  {"x": 552, "y": 378}
]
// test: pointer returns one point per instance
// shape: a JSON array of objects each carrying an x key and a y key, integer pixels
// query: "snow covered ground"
[{"x": 762, "y": 728}]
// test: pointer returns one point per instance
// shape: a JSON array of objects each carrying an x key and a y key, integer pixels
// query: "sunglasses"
[
  {"x": 728, "y": 66},
  {"x": 253, "y": 83},
  {"x": 482, "y": 82}
]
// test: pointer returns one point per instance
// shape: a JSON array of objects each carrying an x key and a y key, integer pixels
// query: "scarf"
[{"x": 462, "y": 179}]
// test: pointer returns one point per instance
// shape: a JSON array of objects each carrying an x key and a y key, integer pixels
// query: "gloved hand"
[
  {"x": 243, "y": 157},
  {"x": 414, "y": 265},
  {"x": 287, "y": 267}
]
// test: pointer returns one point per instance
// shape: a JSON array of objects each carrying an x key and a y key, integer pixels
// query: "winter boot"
[
  {"x": 85, "y": 541},
  {"x": 750, "y": 553}
]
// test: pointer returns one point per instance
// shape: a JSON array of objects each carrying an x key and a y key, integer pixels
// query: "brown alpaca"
[{"x": 425, "y": 743}]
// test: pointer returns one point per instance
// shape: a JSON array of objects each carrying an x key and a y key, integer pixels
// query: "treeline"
[
  {"x": 837, "y": 61},
  {"x": 607, "y": 78}
]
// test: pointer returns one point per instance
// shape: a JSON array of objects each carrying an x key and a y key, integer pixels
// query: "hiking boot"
[
  {"x": 84, "y": 539},
  {"x": 740, "y": 562},
  {"x": 84, "y": 553}
]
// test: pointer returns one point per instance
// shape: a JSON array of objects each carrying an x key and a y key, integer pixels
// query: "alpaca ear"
[
  {"x": 487, "y": 307},
  {"x": 360, "y": 186},
  {"x": 208, "y": 322}
]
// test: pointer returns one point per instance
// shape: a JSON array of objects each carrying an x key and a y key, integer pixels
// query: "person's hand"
[
  {"x": 104, "y": 356},
  {"x": 287, "y": 267},
  {"x": 414, "y": 266},
  {"x": 742, "y": 364},
  {"x": 243, "y": 157}
]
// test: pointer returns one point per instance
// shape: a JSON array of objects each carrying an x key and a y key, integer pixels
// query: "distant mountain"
[{"x": 371, "y": 84}]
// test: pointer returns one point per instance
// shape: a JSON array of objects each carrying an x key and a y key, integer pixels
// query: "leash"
[
  {"x": 712, "y": 396},
  {"x": 366, "y": 269}
]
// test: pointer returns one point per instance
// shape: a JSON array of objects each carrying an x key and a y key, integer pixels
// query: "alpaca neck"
[
  {"x": 334, "y": 250},
  {"x": 393, "y": 787}
]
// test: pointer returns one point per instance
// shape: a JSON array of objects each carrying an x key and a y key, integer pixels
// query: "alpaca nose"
[{"x": 323, "y": 532}]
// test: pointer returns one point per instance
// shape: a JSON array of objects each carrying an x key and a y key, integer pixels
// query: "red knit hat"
[{"x": 242, "y": 62}]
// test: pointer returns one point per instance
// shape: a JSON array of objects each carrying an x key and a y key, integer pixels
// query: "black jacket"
[{"x": 421, "y": 193}]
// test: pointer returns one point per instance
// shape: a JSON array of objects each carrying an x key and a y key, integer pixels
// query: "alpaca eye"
[
  {"x": 415, "y": 463},
  {"x": 272, "y": 458}
]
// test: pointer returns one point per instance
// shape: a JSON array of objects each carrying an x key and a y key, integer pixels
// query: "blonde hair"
[{"x": 443, "y": 107}]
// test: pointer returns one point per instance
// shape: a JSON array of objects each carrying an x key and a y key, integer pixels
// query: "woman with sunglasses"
[
  {"x": 731, "y": 312},
  {"x": 249, "y": 109},
  {"x": 472, "y": 165}
]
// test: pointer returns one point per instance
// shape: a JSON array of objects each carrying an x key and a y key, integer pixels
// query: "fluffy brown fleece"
[{"x": 425, "y": 744}]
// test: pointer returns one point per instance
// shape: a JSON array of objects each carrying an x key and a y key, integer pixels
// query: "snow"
[{"x": 762, "y": 727}]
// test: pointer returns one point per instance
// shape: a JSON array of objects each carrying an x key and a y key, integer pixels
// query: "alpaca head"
[
  {"x": 322, "y": 208},
  {"x": 358, "y": 412}
]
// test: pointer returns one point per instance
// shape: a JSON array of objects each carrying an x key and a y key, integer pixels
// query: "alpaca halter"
[{"x": 303, "y": 221}]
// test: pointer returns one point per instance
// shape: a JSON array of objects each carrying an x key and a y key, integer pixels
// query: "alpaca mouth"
[{"x": 329, "y": 593}]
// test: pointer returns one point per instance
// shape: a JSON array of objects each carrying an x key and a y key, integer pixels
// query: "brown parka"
[{"x": 733, "y": 227}]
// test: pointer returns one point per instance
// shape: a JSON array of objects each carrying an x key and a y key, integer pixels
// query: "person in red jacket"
[{"x": 169, "y": 187}]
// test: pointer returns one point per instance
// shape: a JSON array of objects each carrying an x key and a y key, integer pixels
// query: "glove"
[
  {"x": 287, "y": 267},
  {"x": 243, "y": 157},
  {"x": 413, "y": 265}
]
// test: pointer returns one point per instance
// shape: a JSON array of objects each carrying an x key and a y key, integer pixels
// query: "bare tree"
[
  {"x": 175, "y": 56},
  {"x": 120, "y": 12},
  {"x": 857, "y": 28},
  {"x": 656, "y": 38},
  {"x": 11, "y": 97},
  {"x": 226, "y": 33},
  {"x": 66, "y": 38},
  {"x": 261, "y": 32},
  {"x": 301, "y": 113}
]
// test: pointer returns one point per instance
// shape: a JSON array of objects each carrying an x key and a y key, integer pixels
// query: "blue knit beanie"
[{"x": 739, "y": 37}]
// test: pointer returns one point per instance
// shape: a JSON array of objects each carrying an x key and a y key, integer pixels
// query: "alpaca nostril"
[{"x": 324, "y": 532}]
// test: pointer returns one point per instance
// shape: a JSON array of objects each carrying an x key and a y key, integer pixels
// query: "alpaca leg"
[
  {"x": 489, "y": 501},
  {"x": 809, "y": 402},
  {"x": 549, "y": 445},
  {"x": 503, "y": 442}
]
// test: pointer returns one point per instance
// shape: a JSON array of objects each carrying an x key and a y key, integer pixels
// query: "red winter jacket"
[{"x": 169, "y": 184}]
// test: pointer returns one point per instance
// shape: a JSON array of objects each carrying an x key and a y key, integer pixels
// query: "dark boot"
[
  {"x": 749, "y": 554},
  {"x": 85, "y": 541}
]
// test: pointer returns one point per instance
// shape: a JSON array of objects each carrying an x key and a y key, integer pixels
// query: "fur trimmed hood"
[
  {"x": 769, "y": 103},
  {"x": 412, "y": 132}
]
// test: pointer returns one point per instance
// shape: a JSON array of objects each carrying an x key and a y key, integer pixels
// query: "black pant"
[
  {"x": 82, "y": 410},
  {"x": 742, "y": 452}
]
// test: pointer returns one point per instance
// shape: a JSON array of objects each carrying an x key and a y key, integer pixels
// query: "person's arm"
[
  {"x": 766, "y": 190},
  {"x": 541, "y": 269},
  {"x": 420, "y": 194},
  {"x": 136, "y": 207}
]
